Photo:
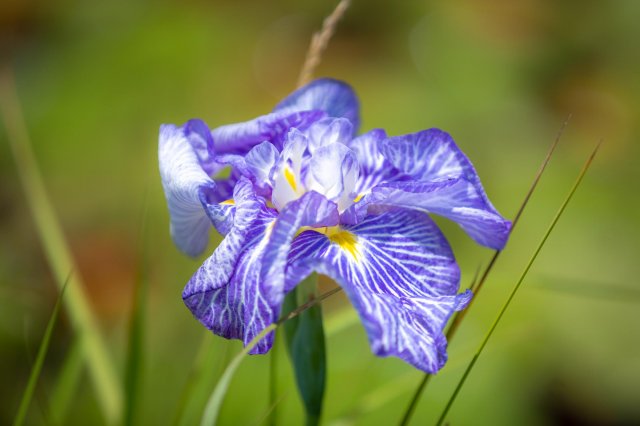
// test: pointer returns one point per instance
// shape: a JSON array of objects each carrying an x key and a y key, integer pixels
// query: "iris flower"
[{"x": 305, "y": 193}]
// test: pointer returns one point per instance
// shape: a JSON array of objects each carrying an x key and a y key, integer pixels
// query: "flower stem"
[
  {"x": 215, "y": 400},
  {"x": 273, "y": 383},
  {"x": 320, "y": 41},
  {"x": 39, "y": 362}
]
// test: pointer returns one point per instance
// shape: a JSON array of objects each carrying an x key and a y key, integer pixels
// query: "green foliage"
[
  {"x": 306, "y": 345},
  {"x": 37, "y": 365}
]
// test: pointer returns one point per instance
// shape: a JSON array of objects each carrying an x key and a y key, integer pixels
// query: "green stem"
[
  {"x": 273, "y": 383},
  {"x": 67, "y": 383},
  {"x": 39, "y": 362},
  {"x": 214, "y": 403}
]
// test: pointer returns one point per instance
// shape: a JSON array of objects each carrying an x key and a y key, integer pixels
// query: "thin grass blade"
[
  {"x": 39, "y": 361},
  {"x": 215, "y": 400},
  {"x": 208, "y": 366},
  {"x": 519, "y": 282},
  {"x": 67, "y": 383},
  {"x": 135, "y": 356},
  {"x": 477, "y": 285},
  {"x": 272, "y": 415},
  {"x": 101, "y": 368}
]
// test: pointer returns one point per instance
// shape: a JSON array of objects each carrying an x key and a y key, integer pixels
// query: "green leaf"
[
  {"x": 306, "y": 344},
  {"x": 213, "y": 355},
  {"x": 135, "y": 355}
]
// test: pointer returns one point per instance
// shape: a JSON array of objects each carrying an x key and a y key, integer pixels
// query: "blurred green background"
[{"x": 96, "y": 79}]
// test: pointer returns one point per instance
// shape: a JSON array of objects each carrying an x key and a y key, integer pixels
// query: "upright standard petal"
[
  {"x": 400, "y": 275},
  {"x": 329, "y": 131},
  {"x": 333, "y": 171},
  {"x": 441, "y": 180},
  {"x": 334, "y": 97},
  {"x": 184, "y": 180}
]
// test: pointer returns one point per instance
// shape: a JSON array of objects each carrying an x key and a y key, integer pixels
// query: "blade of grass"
[
  {"x": 519, "y": 282},
  {"x": 215, "y": 401},
  {"x": 271, "y": 407},
  {"x": 208, "y": 366},
  {"x": 67, "y": 383},
  {"x": 42, "y": 353},
  {"x": 272, "y": 415},
  {"x": 378, "y": 397},
  {"x": 58, "y": 254},
  {"x": 477, "y": 286},
  {"x": 134, "y": 369}
]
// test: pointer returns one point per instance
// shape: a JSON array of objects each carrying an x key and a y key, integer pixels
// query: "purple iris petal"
[
  {"x": 257, "y": 165},
  {"x": 184, "y": 157},
  {"x": 333, "y": 171},
  {"x": 442, "y": 181},
  {"x": 329, "y": 131},
  {"x": 334, "y": 97},
  {"x": 456, "y": 199},
  {"x": 224, "y": 293},
  {"x": 239, "y": 138},
  {"x": 400, "y": 275},
  {"x": 238, "y": 291},
  {"x": 374, "y": 167},
  {"x": 215, "y": 203},
  {"x": 199, "y": 137},
  {"x": 312, "y": 209}
]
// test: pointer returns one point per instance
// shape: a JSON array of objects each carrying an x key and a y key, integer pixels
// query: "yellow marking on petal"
[
  {"x": 345, "y": 239},
  {"x": 229, "y": 202},
  {"x": 358, "y": 198},
  {"x": 269, "y": 229},
  {"x": 288, "y": 175}
]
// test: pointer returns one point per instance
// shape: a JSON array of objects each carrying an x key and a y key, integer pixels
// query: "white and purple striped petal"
[
  {"x": 185, "y": 159},
  {"x": 334, "y": 97},
  {"x": 239, "y": 290},
  {"x": 224, "y": 293},
  {"x": 239, "y": 138},
  {"x": 435, "y": 176},
  {"x": 400, "y": 275},
  {"x": 333, "y": 172},
  {"x": 455, "y": 198},
  {"x": 329, "y": 131}
]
